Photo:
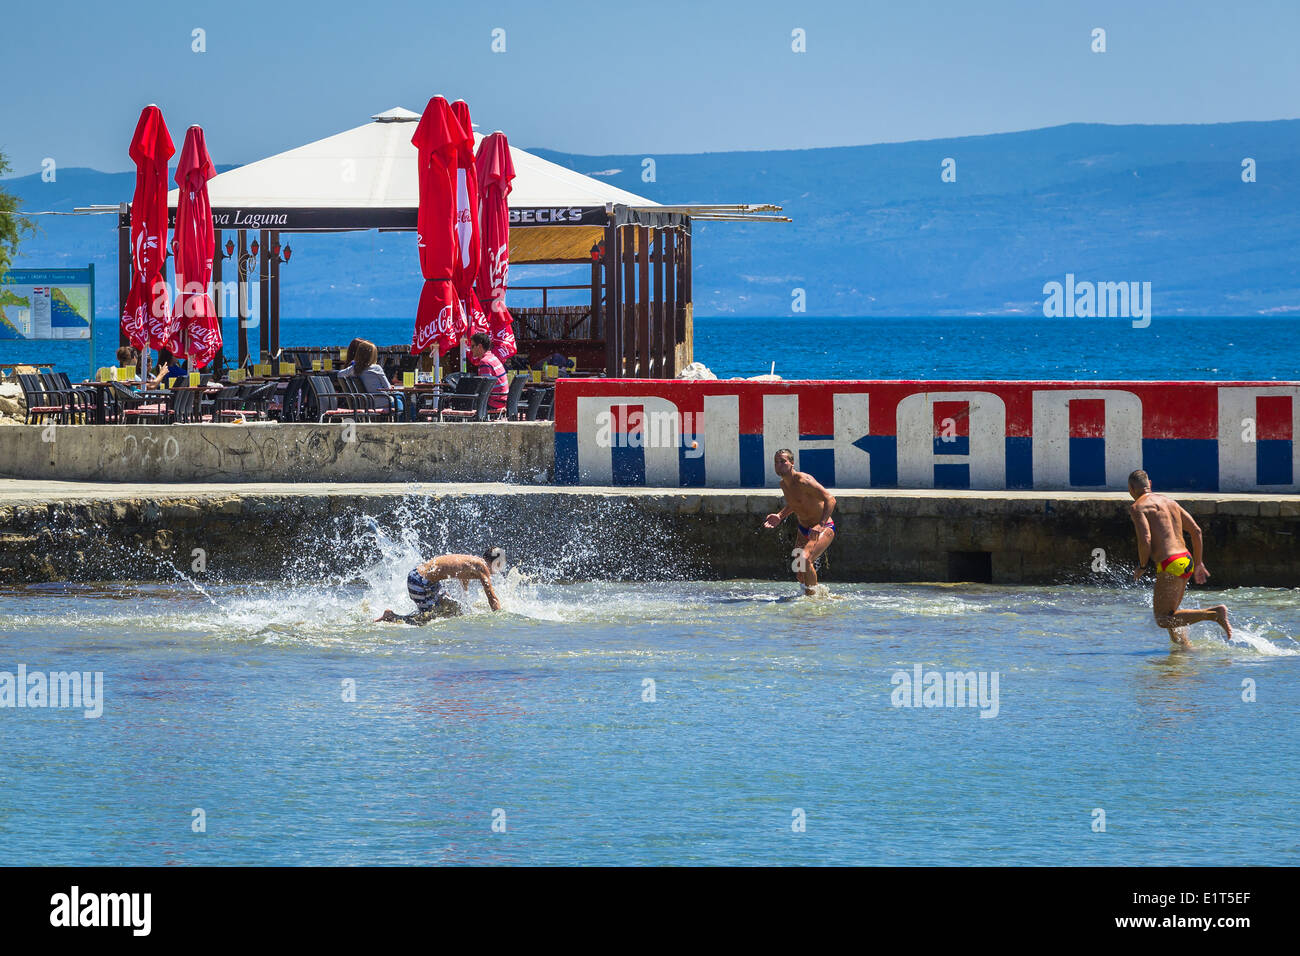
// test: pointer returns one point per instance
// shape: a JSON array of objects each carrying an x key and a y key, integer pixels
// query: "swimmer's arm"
[
  {"x": 1193, "y": 530},
  {"x": 488, "y": 590},
  {"x": 426, "y": 568},
  {"x": 1143, "y": 538},
  {"x": 778, "y": 516}
]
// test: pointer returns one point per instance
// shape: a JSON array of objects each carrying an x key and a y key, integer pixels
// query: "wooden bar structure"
[
  {"x": 637, "y": 321},
  {"x": 271, "y": 255},
  {"x": 217, "y": 261},
  {"x": 264, "y": 299},
  {"x": 636, "y": 325},
  {"x": 240, "y": 311}
]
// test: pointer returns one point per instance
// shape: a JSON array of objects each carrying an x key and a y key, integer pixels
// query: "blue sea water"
[
  {"x": 656, "y": 723},
  {"x": 229, "y": 698},
  {"x": 972, "y": 347}
]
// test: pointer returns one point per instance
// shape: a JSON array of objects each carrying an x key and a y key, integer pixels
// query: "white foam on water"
[{"x": 1261, "y": 644}]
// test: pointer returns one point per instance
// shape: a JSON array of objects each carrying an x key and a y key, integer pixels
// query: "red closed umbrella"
[
  {"x": 145, "y": 309},
  {"x": 467, "y": 223},
  {"x": 496, "y": 173},
  {"x": 198, "y": 330},
  {"x": 438, "y": 137}
]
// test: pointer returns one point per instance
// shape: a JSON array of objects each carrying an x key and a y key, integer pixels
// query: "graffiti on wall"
[{"x": 1189, "y": 436}]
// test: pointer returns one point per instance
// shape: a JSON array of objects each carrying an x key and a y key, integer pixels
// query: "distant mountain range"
[{"x": 876, "y": 230}]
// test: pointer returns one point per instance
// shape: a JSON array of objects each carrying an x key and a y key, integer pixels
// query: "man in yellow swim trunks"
[{"x": 1160, "y": 523}]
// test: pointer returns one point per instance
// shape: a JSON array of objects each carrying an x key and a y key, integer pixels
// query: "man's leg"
[
  {"x": 803, "y": 565},
  {"x": 813, "y": 548},
  {"x": 1165, "y": 599},
  {"x": 1164, "y": 604}
]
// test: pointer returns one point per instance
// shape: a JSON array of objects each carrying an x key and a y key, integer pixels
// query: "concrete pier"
[{"x": 56, "y": 531}]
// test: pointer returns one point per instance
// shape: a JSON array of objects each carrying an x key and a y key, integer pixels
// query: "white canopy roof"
[{"x": 373, "y": 166}]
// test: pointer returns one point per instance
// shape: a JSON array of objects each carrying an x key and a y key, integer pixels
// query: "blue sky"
[{"x": 643, "y": 77}]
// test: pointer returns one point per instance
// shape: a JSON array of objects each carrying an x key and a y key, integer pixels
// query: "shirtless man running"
[
  {"x": 811, "y": 505},
  {"x": 1160, "y": 523},
  {"x": 427, "y": 585}
]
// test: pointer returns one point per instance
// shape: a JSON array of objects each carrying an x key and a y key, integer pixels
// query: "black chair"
[
  {"x": 296, "y": 403},
  {"x": 258, "y": 401},
  {"x": 511, "y": 411},
  {"x": 469, "y": 403},
  {"x": 546, "y": 411},
  {"x": 229, "y": 402},
  {"x": 78, "y": 404},
  {"x": 184, "y": 411},
  {"x": 41, "y": 402},
  {"x": 374, "y": 405},
  {"x": 332, "y": 405},
  {"x": 534, "y": 404},
  {"x": 136, "y": 407},
  {"x": 456, "y": 393}
]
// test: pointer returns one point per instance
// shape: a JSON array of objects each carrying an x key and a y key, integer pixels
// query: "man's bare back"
[
  {"x": 1160, "y": 524},
  {"x": 426, "y": 587},
  {"x": 1164, "y": 518},
  {"x": 463, "y": 568}
]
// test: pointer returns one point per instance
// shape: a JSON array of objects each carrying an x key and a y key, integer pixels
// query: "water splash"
[{"x": 1241, "y": 634}]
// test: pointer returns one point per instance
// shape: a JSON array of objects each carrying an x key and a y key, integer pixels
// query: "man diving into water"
[
  {"x": 811, "y": 505},
  {"x": 1160, "y": 523},
  {"x": 429, "y": 584}
]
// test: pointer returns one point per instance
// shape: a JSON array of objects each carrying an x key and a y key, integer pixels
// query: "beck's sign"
[{"x": 1189, "y": 436}]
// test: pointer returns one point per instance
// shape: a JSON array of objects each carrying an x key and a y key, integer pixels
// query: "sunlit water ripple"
[{"x": 229, "y": 698}]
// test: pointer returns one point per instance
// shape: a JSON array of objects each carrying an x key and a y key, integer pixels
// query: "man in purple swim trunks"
[{"x": 811, "y": 505}]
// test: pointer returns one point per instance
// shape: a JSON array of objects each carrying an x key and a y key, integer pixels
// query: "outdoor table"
[
  {"x": 101, "y": 389},
  {"x": 411, "y": 395},
  {"x": 156, "y": 396}
]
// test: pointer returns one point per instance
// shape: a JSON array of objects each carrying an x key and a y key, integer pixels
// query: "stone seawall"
[
  {"x": 54, "y": 532},
  {"x": 381, "y": 451}
]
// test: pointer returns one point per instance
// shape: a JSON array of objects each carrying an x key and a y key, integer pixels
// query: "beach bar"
[{"x": 636, "y": 323}]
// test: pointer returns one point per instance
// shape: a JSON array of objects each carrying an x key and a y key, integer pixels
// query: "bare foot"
[
  {"x": 1178, "y": 636},
  {"x": 1221, "y": 615}
]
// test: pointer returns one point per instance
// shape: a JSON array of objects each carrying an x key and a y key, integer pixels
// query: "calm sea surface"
[{"x": 1180, "y": 349}]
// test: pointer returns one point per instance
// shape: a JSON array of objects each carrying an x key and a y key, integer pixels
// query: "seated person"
[
  {"x": 128, "y": 357},
  {"x": 350, "y": 356},
  {"x": 481, "y": 354},
  {"x": 169, "y": 366},
  {"x": 562, "y": 362},
  {"x": 365, "y": 366}
]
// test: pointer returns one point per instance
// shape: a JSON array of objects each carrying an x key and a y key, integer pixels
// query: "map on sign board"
[{"x": 43, "y": 309}]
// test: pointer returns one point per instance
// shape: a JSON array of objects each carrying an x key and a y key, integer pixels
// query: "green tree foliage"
[{"x": 12, "y": 225}]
